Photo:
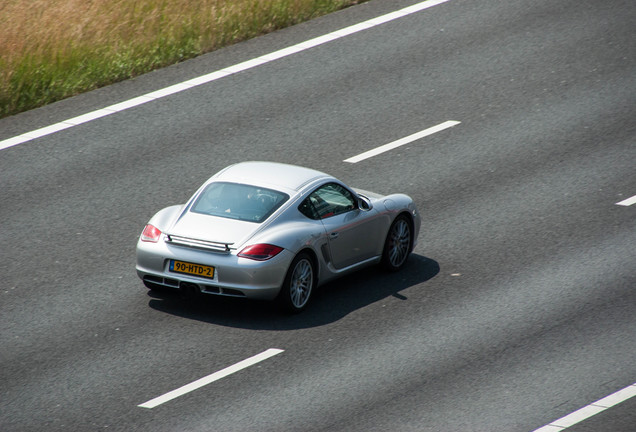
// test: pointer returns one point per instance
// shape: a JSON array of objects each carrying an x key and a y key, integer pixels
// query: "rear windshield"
[{"x": 238, "y": 201}]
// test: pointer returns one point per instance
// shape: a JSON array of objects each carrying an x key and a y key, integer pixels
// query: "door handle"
[{"x": 333, "y": 235}]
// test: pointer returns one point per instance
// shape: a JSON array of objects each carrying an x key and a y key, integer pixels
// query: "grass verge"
[{"x": 50, "y": 50}]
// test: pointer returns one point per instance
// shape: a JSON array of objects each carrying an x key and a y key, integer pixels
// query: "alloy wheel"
[
  {"x": 301, "y": 283},
  {"x": 399, "y": 242}
]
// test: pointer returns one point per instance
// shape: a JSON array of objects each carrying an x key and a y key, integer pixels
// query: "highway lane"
[{"x": 516, "y": 309}]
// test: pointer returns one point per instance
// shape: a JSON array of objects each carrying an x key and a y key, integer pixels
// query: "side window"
[
  {"x": 307, "y": 208},
  {"x": 329, "y": 200}
]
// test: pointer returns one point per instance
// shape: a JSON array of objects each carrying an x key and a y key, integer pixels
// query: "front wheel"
[
  {"x": 298, "y": 285},
  {"x": 397, "y": 245}
]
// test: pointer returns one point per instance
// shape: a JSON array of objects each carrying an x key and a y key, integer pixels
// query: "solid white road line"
[
  {"x": 590, "y": 410},
  {"x": 395, "y": 144},
  {"x": 219, "y": 74},
  {"x": 211, "y": 378},
  {"x": 627, "y": 202}
]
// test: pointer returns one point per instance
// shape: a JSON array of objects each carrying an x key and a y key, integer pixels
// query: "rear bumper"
[{"x": 233, "y": 276}]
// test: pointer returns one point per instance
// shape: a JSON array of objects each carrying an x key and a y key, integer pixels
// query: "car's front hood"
[{"x": 213, "y": 229}]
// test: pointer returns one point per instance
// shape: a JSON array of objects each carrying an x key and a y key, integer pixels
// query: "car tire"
[
  {"x": 398, "y": 244},
  {"x": 298, "y": 285}
]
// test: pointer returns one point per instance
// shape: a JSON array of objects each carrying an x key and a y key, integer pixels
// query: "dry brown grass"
[{"x": 51, "y": 49}]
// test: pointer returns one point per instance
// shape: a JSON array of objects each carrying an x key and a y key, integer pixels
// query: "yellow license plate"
[{"x": 191, "y": 269}]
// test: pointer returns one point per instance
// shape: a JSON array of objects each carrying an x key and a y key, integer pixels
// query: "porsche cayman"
[{"x": 272, "y": 231}]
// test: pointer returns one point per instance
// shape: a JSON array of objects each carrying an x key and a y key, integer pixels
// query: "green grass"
[{"x": 50, "y": 50}]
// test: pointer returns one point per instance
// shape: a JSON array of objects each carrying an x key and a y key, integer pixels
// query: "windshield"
[{"x": 239, "y": 201}]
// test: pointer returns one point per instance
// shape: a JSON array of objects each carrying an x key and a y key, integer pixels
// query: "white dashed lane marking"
[
  {"x": 395, "y": 144},
  {"x": 211, "y": 378},
  {"x": 627, "y": 202},
  {"x": 590, "y": 410}
]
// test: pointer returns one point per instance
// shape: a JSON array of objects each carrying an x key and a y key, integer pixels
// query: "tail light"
[
  {"x": 260, "y": 252},
  {"x": 150, "y": 234}
]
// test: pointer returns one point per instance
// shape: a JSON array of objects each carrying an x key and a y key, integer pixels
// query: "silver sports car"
[{"x": 267, "y": 230}]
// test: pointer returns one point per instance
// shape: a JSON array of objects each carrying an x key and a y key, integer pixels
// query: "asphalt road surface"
[{"x": 517, "y": 308}]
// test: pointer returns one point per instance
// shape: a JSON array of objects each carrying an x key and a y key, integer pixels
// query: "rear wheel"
[
  {"x": 298, "y": 285},
  {"x": 397, "y": 245}
]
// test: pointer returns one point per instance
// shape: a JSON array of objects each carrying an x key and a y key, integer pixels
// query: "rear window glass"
[{"x": 238, "y": 201}]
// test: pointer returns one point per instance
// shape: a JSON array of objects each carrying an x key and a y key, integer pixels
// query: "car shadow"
[{"x": 329, "y": 303}]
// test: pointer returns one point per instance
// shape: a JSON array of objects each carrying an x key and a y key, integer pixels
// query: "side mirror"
[{"x": 364, "y": 203}]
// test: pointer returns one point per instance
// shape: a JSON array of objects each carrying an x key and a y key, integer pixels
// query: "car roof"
[{"x": 273, "y": 174}]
